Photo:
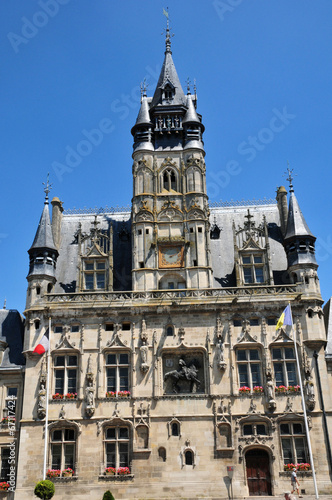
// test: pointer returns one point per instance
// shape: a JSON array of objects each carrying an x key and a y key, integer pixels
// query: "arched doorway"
[{"x": 258, "y": 472}]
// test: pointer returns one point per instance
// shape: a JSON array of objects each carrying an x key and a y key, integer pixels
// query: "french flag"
[{"x": 43, "y": 345}]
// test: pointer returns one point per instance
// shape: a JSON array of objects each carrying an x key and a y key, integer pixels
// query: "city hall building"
[{"x": 166, "y": 367}]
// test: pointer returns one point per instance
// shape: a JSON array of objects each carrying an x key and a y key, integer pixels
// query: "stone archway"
[{"x": 258, "y": 472}]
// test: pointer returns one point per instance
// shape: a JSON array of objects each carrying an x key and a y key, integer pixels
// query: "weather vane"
[
  {"x": 47, "y": 187},
  {"x": 144, "y": 86},
  {"x": 290, "y": 177}
]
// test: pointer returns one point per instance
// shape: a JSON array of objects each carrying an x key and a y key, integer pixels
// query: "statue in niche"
[
  {"x": 89, "y": 394},
  {"x": 309, "y": 391},
  {"x": 271, "y": 403},
  {"x": 144, "y": 357},
  {"x": 221, "y": 360},
  {"x": 184, "y": 372},
  {"x": 41, "y": 410}
]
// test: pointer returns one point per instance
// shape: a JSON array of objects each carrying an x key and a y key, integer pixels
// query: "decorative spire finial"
[
  {"x": 290, "y": 178},
  {"x": 168, "y": 32},
  {"x": 144, "y": 86},
  {"x": 188, "y": 85},
  {"x": 5, "y": 304},
  {"x": 47, "y": 187}
]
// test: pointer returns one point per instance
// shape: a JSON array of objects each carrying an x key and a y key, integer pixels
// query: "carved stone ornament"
[
  {"x": 309, "y": 391},
  {"x": 220, "y": 356},
  {"x": 144, "y": 357},
  {"x": 65, "y": 341},
  {"x": 269, "y": 391},
  {"x": 41, "y": 409}
]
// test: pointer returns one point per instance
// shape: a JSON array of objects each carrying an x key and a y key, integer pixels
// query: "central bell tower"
[{"x": 170, "y": 214}]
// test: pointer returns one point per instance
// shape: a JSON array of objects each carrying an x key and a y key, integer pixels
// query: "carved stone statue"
[
  {"x": 271, "y": 403},
  {"x": 309, "y": 392},
  {"x": 221, "y": 360},
  {"x": 41, "y": 410},
  {"x": 185, "y": 372},
  {"x": 144, "y": 357},
  {"x": 89, "y": 398}
]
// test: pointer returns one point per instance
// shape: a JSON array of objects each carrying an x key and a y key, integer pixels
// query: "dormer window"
[
  {"x": 94, "y": 271},
  {"x": 168, "y": 92},
  {"x": 253, "y": 268}
]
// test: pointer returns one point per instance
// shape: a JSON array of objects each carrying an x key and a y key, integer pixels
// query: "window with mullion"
[
  {"x": 117, "y": 372},
  {"x": 63, "y": 449},
  {"x": 293, "y": 443},
  {"x": 65, "y": 372},
  {"x": 94, "y": 274},
  {"x": 284, "y": 364},
  {"x": 5, "y": 466},
  {"x": 253, "y": 268},
  {"x": 117, "y": 447},
  {"x": 249, "y": 367}
]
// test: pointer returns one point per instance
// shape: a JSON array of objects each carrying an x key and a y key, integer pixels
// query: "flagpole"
[
  {"x": 304, "y": 408},
  {"x": 47, "y": 397}
]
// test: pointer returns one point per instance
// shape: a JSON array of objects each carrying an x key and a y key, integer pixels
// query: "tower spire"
[
  {"x": 290, "y": 178},
  {"x": 47, "y": 187}
]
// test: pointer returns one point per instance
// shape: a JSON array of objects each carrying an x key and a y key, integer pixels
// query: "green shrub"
[
  {"x": 108, "y": 496},
  {"x": 44, "y": 489}
]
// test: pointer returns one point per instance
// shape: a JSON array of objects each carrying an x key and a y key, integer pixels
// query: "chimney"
[
  {"x": 282, "y": 207},
  {"x": 56, "y": 220}
]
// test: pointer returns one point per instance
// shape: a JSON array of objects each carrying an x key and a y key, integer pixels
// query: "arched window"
[
  {"x": 175, "y": 429},
  {"x": 142, "y": 433},
  {"x": 170, "y": 331},
  {"x": 162, "y": 454},
  {"x": 188, "y": 457}
]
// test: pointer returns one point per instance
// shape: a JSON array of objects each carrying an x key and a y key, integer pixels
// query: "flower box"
[
  {"x": 123, "y": 471},
  {"x": 294, "y": 388},
  {"x": 57, "y": 396},
  {"x": 258, "y": 389},
  {"x": 67, "y": 472},
  {"x": 118, "y": 394},
  {"x": 281, "y": 389},
  {"x": 7, "y": 420},
  {"x": 110, "y": 471},
  {"x": 53, "y": 473},
  {"x": 244, "y": 390},
  {"x": 4, "y": 486},
  {"x": 299, "y": 467},
  {"x": 71, "y": 395}
]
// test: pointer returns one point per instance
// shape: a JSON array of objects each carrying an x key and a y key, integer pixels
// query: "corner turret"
[
  {"x": 43, "y": 256},
  {"x": 299, "y": 244}
]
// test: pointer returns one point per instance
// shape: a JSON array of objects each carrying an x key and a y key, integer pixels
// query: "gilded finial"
[
  {"x": 168, "y": 31},
  {"x": 47, "y": 187}
]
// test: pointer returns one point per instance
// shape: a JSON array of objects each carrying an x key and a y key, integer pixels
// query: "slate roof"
[
  {"x": 296, "y": 224},
  {"x": 222, "y": 250},
  {"x": 44, "y": 236},
  {"x": 11, "y": 332}
]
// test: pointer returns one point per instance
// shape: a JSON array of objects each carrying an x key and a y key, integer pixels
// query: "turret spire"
[{"x": 168, "y": 32}]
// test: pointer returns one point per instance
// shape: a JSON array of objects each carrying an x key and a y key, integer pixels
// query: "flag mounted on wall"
[
  {"x": 43, "y": 345},
  {"x": 285, "y": 318}
]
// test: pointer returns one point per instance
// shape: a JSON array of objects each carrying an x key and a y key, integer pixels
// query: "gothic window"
[
  {"x": 189, "y": 460},
  {"x": 63, "y": 443},
  {"x": 168, "y": 92},
  {"x": 253, "y": 268},
  {"x": 117, "y": 442},
  {"x": 255, "y": 429},
  {"x": 293, "y": 442},
  {"x": 117, "y": 372},
  {"x": 249, "y": 367},
  {"x": 94, "y": 274},
  {"x": 5, "y": 466},
  {"x": 65, "y": 374},
  {"x": 169, "y": 330},
  {"x": 162, "y": 454},
  {"x": 169, "y": 180},
  {"x": 284, "y": 363},
  {"x": 175, "y": 429}
]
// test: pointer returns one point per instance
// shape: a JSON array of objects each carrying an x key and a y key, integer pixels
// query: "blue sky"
[{"x": 71, "y": 66}]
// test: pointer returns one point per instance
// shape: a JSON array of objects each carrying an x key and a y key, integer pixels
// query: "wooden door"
[{"x": 258, "y": 472}]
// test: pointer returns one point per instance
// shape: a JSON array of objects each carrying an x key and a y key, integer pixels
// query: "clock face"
[{"x": 171, "y": 256}]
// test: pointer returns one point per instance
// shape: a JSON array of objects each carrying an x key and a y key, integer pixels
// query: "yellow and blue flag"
[{"x": 285, "y": 318}]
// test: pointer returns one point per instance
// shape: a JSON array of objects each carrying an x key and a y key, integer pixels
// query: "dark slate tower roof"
[
  {"x": 296, "y": 224},
  {"x": 44, "y": 236},
  {"x": 11, "y": 333},
  {"x": 168, "y": 75},
  {"x": 191, "y": 115}
]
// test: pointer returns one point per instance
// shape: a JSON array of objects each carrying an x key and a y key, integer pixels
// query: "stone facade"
[{"x": 165, "y": 362}]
